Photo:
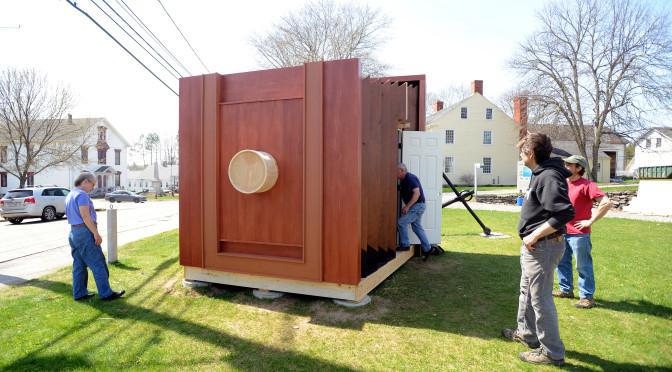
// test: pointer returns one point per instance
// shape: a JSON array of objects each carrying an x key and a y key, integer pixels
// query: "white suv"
[{"x": 45, "y": 202}]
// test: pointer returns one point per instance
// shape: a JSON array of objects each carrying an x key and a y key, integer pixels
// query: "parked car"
[
  {"x": 45, "y": 202},
  {"x": 121, "y": 195}
]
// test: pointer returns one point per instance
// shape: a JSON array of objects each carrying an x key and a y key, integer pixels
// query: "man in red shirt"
[{"x": 582, "y": 194}]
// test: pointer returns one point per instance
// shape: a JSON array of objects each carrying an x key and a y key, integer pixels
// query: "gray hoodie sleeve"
[{"x": 555, "y": 200}]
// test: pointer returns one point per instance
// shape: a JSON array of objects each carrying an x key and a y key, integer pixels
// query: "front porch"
[{"x": 108, "y": 179}]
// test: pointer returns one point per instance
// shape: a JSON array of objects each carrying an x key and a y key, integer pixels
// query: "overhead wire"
[
  {"x": 142, "y": 38},
  {"x": 184, "y": 37},
  {"x": 87, "y": 15},
  {"x": 138, "y": 20},
  {"x": 132, "y": 38}
]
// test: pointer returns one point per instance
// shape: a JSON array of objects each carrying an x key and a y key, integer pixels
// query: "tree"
[
  {"x": 323, "y": 30},
  {"x": 600, "y": 65},
  {"x": 449, "y": 95},
  {"x": 140, "y": 147},
  {"x": 537, "y": 111},
  {"x": 152, "y": 143},
  {"x": 170, "y": 154},
  {"x": 32, "y": 125},
  {"x": 170, "y": 151}
]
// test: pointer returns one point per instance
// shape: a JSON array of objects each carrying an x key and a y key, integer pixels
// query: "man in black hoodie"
[{"x": 545, "y": 212}]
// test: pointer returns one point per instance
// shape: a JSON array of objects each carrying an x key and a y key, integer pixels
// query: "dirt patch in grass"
[{"x": 326, "y": 312}]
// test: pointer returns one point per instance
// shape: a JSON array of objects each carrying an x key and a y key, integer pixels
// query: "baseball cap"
[{"x": 577, "y": 159}]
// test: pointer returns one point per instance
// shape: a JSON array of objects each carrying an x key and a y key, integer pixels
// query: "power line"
[
  {"x": 74, "y": 5},
  {"x": 136, "y": 41},
  {"x": 140, "y": 36},
  {"x": 130, "y": 12},
  {"x": 184, "y": 37}
]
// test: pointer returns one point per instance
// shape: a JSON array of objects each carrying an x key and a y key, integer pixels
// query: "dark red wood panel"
[
  {"x": 342, "y": 172},
  {"x": 211, "y": 177},
  {"x": 190, "y": 134},
  {"x": 274, "y": 216},
  {"x": 263, "y": 85},
  {"x": 313, "y": 166}
]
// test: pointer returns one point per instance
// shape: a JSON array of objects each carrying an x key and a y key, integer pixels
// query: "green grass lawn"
[
  {"x": 444, "y": 314},
  {"x": 620, "y": 188},
  {"x": 150, "y": 197},
  {"x": 481, "y": 187}
]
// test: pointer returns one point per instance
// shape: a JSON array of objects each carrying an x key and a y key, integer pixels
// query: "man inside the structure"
[{"x": 411, "y": 214}]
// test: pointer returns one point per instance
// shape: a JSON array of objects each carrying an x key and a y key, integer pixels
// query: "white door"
[{"x": 421, "y": 152}]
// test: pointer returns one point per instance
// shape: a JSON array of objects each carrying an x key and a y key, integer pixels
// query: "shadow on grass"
[
  {"x": 637, "y": 306},
  {"x": 462, "y": 293},
  {"x": 244, "y": 354},
  {"x": 54, "y": 362},
  {"x": 607, "y": 365},
  {"x": 123, "y": 266}
]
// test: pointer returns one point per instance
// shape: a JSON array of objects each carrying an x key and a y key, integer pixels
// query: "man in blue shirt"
[
  {"x": 85, "y": 242},
  {"x": 414, "y": 207}
]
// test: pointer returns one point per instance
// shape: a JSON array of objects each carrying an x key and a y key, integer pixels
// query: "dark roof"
[
  {"x": 559, "y": 132},
  {"x": 667, "y": 131},
  {"x": 104, "y": 169}
]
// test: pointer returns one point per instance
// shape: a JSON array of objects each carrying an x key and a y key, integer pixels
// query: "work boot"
[
  {"x": 114, "y": 296},
  {"x": 538, "y": 357},
  {"x": 513, "y": 335},
  {"x": 585, "y": 303},
  {"x": 563, "y": 294}
]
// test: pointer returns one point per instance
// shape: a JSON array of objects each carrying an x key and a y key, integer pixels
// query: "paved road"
[{"x": 35, "y": 248}]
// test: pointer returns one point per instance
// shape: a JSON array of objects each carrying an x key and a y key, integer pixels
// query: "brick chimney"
[
  {"x": 477, "y": 87},
  {"x": 520, "y": 114},
  {"x": 438, "y": 105}
]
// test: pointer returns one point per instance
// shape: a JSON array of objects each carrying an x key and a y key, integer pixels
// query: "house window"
[
  {"x": 117, "y": 179},
  {"x": 85, "y": 154},
  {"x": 487, "y": 165},
  {"x": 102, "y": 156},
  {"x": 3, "y": 179},
  {"x": 30, "y": 181},
  {"x": 487, "y": 137},
  {"x": 3, "y": 154},
  {"x": 659, "y": 142},
  {"x": 448, "y": 164},
  {"x": 101, "y": 133},
  {"x": 488, "y": 113},
  {"x": 117, "y": 157},
  {"x": 450, "y": 136},
  {"x": 648, "y": 143},
  {"x": 463, "y": 113}
]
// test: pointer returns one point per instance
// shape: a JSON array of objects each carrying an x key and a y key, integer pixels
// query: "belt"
[
  {"x": 78, "y": 225},
  {"x": 556, "y": 237}
]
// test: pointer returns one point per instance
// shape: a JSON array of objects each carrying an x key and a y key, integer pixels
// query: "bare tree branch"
[
  {"x": 32, "y": 125},
  {"x": 600, "y": 66},
  {"x": 324, "y": 30}
]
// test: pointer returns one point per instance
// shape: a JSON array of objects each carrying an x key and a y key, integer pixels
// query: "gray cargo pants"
[{"x": 537, "y": 317}]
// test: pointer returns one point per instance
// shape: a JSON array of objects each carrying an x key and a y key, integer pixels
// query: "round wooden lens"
[{"x": 252, "y": 171}]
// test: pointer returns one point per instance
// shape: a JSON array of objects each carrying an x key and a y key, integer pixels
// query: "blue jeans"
[
  {"x": 413, "y": 217},
  {"x": 86, "y": 253},
  {"x": 580, "y": 246}
]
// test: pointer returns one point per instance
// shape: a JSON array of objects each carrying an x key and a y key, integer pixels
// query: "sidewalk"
[{"x": 514, "y": 208}]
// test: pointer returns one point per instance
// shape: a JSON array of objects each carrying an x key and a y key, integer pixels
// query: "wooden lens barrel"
[{"x": 252, "y": 171}]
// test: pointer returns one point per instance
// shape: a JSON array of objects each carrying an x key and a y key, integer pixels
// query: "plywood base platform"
[{"x": 320, "y": 289}]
